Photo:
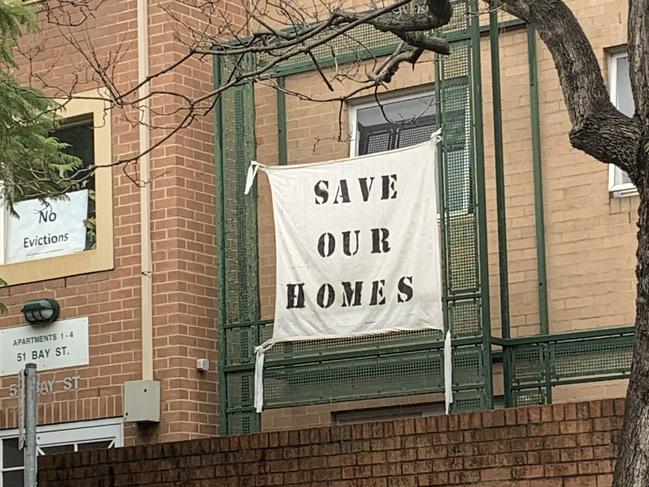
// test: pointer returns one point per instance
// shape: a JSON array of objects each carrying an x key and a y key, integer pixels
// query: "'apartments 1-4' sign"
[{"x": 61, "y": 344}]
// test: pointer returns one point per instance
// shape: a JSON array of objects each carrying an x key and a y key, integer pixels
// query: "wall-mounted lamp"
[{"x": 41, "y": 311}]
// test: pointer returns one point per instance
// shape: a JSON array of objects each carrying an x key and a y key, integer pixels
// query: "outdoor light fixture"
[{"x": 41, "y": 311}]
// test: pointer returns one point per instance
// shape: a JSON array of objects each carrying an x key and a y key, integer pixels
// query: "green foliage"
[
  {"x": 32, "y": 164},
  {"x": 15, "y": 17}
]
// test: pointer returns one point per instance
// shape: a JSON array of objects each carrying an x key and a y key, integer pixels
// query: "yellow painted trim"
[{"x": 101, "y": 257}]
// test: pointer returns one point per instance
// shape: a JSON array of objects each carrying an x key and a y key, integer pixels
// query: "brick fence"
[{"x": 563, "y": 445}]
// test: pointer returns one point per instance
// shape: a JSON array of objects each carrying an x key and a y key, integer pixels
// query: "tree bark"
[
  {"x": 632, "y": 467},
  {"x": 638, "y": 48},
  {"x": 600, "y": 130}
]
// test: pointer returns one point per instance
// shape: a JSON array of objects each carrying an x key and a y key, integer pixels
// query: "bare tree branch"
[{"x": 598, "y": 128}]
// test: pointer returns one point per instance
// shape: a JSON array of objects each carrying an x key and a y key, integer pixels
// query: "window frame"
[
  {"x": 625, "y": 189},
  {"x": 99, "y": 258},
  {"x": 353, "y": 108},
  {"x": 69, "y": 434}
]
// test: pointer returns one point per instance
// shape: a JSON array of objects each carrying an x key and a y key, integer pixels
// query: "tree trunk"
[
  {"x": 601, "y": 131},
  {"x": 632, "y": 468}
]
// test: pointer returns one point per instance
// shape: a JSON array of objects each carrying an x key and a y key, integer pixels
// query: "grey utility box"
[{"x": 142, "y": 401}]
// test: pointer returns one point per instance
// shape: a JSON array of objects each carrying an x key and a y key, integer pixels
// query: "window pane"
[
  {"x": 374, "y": 141},
  {"x": 621, "y": 177},
  {"x": 13, "y": 479},
  {"x": 395, "y": 124},
  {"x": 416, "y": 134},
  {"x": 95, "y": 445},
  {"x": 11, "y": 455},
  {"x": 65, "y": 226},
  {"x": 397, "y": 112},
  {"x": 79, "y": 135},
  {"x": 624, "y": 97},
  {"x": 51, "y": 450}
]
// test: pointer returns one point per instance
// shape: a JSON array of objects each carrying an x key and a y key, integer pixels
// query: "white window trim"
[
  {"x": 353, "y": 114},
  {"x": 626, "y": 189},
  {"x": 71, "y": 433},
  {"x": 101, "y": 257},
  {"x": 78, "y": 432}
]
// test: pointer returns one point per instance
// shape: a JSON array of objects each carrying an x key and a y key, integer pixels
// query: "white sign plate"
[
  {"x": 47, "y": 230},
  {"x": 61, "y": 344}
]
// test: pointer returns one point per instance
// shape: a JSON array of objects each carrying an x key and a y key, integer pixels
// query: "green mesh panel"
[
  {"x": 240, "y": 344},
  {"x": 469, "y": 400},
  {"x": 360, "y": 43},
  {"x": 344, "y": 380},
  {"x": 240, "y": 388},
  {"x": 567, "y": 358},
  {"x": 367, "y": 344},
  {"x": 240, "y": 223},
  {"x": 528, "y": 364},
  {"x": 599, "y": 356},
  {"x": 468, "y": 366},
  {"x": 528, "y": 397},
  {"x": 465, "y": 318},
  {"x": 459, "y": 182},
  {"x": 239, "y": 264},
  {"x": 375, "y": 366},
  {"x": 240, "y": 423}
]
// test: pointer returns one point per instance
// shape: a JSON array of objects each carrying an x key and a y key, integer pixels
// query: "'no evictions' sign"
[
  {"x": 61, "y": 344},
  {"x": 46, "y": 230}
]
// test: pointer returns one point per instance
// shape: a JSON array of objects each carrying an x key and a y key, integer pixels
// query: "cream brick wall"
[{"x": 590, "y": 236}]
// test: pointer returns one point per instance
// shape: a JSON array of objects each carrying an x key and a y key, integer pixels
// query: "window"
[
  {"x": 59, "y": 438},
  {"x": 392, "y": 124},
  {"x": 401, "y": 122},
  {"x": 619, "y": 182},
  {"x": 72, "y": 236}
]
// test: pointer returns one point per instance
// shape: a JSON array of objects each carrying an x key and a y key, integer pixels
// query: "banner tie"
[
  {"x": 252, "y": 173},
  {"x": 260, "y": 352}
]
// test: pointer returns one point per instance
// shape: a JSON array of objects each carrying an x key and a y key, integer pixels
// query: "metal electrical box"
[{"x": 142, "y": 401}]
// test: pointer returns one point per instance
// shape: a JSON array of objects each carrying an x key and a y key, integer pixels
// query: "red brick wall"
[
  {"x": 563, "y": 445},
  {"x": 183, "y": 226}
]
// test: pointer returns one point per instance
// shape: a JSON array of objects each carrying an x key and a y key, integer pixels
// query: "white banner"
[
  {"x": 46, "y": 230},
  {"x": 357, "y": 247}
]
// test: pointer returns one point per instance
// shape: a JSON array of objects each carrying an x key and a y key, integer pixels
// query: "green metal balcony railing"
[
  {"x": 537, "y": 364},
  {"x": 406, "y": 363}
]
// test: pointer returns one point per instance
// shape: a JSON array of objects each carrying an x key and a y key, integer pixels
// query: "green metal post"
[
  {"x": 251, "y": 125},
  {"x": 500, "y": 172},
  {"x": 282, "y": 135},
  {"x": 441, "y": 200},
  {"x": 501, "y": 207},
  {"x": 220, "y": 228},
  {"x": 538, "y": 184},
  {"x": 478, "y": 143},
  {"x": 547, "y": 360}
]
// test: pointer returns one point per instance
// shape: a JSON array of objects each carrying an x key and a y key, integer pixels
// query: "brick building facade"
[
  {"x": 103, "y": 284},
  {"x": 589, "y": 225}
]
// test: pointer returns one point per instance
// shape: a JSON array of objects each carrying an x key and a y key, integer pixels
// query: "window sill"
[
  {"x": 623, "y": 192},
  {"x": 96, "y": 260}
]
